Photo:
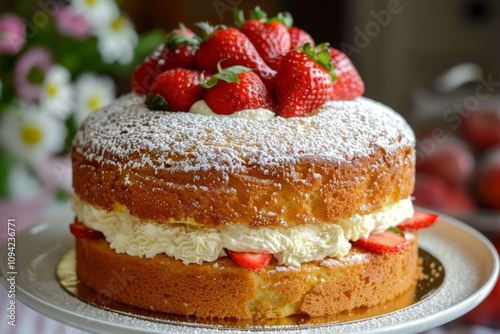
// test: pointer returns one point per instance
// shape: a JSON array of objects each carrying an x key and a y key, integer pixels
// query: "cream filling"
[
  {"x": 260, "y": 114},
  {"x": 191, "y": 244}
]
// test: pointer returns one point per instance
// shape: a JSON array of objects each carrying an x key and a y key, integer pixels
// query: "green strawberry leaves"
[
  {"x": 229, "y": 74},
  {"x": 156, "y": 102},
  {"x": 257, "y": 13},
  {"x": 182, "y": 37},
  {"x": 321, "y": 55},
  {"x": 208, "y": 30}
]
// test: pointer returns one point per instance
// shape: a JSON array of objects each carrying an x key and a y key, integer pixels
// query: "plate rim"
[{"x": 97, "y": 325}]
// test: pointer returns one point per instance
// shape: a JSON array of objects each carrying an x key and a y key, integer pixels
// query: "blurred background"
[{"x": 435, "y": 62}]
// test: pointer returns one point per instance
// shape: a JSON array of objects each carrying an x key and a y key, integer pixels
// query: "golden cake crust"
[
  {"x": 222, "y": 289},
  {"x": 352, "y": 157}
]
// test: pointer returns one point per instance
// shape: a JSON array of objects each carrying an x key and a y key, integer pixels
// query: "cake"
[{"x": 261, "y": 212}]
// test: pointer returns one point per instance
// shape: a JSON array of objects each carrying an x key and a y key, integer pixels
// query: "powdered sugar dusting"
[
  {"x": 340, "y": 131},
  {"x": 354, "y": 258}
]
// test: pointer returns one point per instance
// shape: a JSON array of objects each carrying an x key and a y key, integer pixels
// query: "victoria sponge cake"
[{"x": 257, "y": 189}]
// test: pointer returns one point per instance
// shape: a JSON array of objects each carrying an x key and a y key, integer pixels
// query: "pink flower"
[
  {"x": 71, "y": 23},
  {"x": 12, "y": 34},
  {"x": 29, "y": 72}
]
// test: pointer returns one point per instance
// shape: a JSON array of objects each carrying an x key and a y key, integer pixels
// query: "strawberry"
[
  {"x": 304, "y": 80},
  {"x": 175, "y": 90},
  {"x": 235, "y": 48},
  {"x": 81, "y": 231},
  {"x": 419, "y": 220},
  {"x": 387, "y": 242},
  {"x": 178, "y": 51},
  {"x": 349, "y": 84},
  {"x": 275, "y": 62},
  {"x": 270, "y": 36},
  {"x": 251, "y": 261},
  {"x": 236, "y": 88},
  {"x": 299, "y": 38}
]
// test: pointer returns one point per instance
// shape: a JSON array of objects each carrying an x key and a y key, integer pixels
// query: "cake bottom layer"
[{"x": 221, "y": 289}]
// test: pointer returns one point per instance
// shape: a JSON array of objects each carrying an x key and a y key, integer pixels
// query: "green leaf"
[
  {"x": 229, "y": 74},
  {"x": 396, "y": 230},
  {"x": 177, "y": 39},
  {"x": 36, "y": 76},
  {"x": 207, "y": 29},
  {"x": 321, "y": 56},
  {"x": 61, "y": 196},
  {"x": 156, "y": 102},
  {"x": 207, "y": 84},
  {"x": 238, "y": 69},
  {"x": 238, "y": 17},
  {"x": 72, "y": 129},
  {"x": 324, "y": 59},
  {"x": 284, "y": 18},
  {"x": 5, "y": 167},
  {"x": 258, "y": 14}
]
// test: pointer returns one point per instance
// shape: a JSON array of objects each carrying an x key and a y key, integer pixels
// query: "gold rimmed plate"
[
  {"x": 432, "y": 278},
  {"x": 465, "y": 261}
]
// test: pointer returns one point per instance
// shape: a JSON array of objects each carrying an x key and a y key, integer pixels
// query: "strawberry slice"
[
  {"x": 81, "y": 231},
  {"x": 419, "y": 220},
  {"x": 387, "y": 242},
  {"x": 251, "y": 261}
]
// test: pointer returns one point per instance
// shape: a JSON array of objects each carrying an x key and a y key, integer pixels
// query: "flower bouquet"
[{"x": 59, "y": 62}]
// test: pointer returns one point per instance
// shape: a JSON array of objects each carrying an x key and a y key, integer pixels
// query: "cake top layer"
[{"x": 129, "y": 135}]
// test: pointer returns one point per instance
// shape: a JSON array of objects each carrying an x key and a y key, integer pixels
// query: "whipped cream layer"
[
  {"x": 259, "y": 114},
  {"x": 191, "y": 244}
]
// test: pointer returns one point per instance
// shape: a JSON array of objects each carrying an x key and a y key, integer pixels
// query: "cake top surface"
[{"x": 129, "y": 135}]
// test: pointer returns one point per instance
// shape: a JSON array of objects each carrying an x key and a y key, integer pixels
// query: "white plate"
[
  {"x": 471, "y": 270},
  {"x": 482, "y": 220}
]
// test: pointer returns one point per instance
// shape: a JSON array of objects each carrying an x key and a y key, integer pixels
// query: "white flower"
[
  {"x": 57, "y": 92},
  {"x": 116, "y": 40},
  {"x": 95, "y": 11},
  {"x": 92, "y": 93},
  {"x": 31, "y": 134}
]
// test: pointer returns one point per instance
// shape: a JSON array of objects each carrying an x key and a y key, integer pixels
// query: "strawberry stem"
[
  {"x": 321, "y": 56},
  {"x": 229, "y": 74},
  {"x": 176, "y": 39},
  {"x": 207, "y": 29},
  {"x": 284, "y": 18},
  {"x": 238, "y": 17},
  {"x": 258, "y": 14},
  {"x": 156, "y": 102}
]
